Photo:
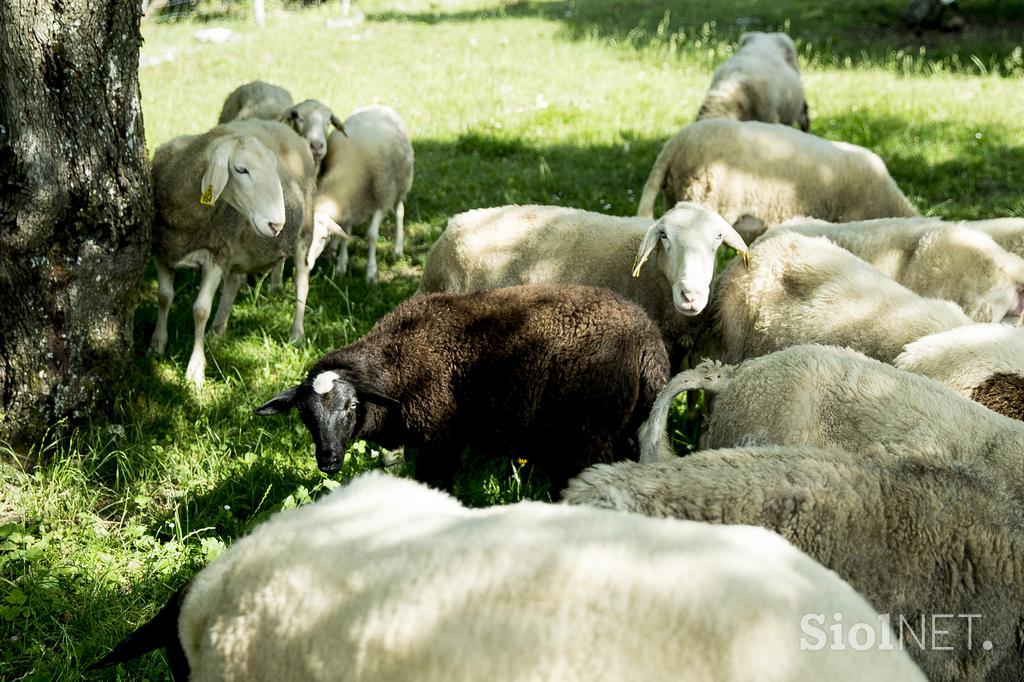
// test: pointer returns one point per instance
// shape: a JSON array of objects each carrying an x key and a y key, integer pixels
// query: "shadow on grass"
[{"x": 853, "y": 33}]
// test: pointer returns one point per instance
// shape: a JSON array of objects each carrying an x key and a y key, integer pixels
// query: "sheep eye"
[
  {"x": 662, "y": 235},
  {"x": 719, "y": 237},
  {"x": 241, "y": 171}
]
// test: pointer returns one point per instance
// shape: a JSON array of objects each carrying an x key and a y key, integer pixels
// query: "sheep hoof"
[
  {"x": 275, "y": 286},
  {"x": 371, "y": 276},
  {"x": 297, "y": 338},
  {"x": 218, "y": 330},
  {"x": 156, "y": 349},
  {"x": 195, "y": 375},
  {"x": 399, "y": 252}
]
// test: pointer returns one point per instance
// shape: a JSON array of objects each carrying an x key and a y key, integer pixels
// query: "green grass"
[{"x": 547, "y": 102}]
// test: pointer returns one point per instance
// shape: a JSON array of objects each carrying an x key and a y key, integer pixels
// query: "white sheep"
[
  {"x": 934, "y": 259},
  {"x": 758, "y": 174},
  {"x": 232, "y": 201},
  {"x": 828, "y": 397},
  {"x": 386, "y": 579},
  {"x": 919, "y": 539},
  {"x": 313, "y": 120},
  {"x": 256, "y": 99},
  {"x": 801, "y": 289},
  {"x": 984, "y": 362},
  {"x": 368, "y": 171},
  {"x": 510, "y": 245},
  {"x": 761, "y": 82}
]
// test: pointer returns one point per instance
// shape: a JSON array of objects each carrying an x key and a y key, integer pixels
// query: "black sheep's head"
[{"x": 332, "y": 406}]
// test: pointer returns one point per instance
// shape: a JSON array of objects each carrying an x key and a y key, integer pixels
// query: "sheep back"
[
  {"x": 560, "y": 375},
  {"x": 801, "y": 289},
  {"x": 772, "y": 172},
  {"x": 915, "y": 537},
  {"x": 376, "y": 582},
  {"x": 256, "y": 99},
  {"x": 984, "y": 362}
]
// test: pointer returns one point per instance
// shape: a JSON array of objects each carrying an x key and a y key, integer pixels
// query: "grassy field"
[{"x": 542, "y": 102}]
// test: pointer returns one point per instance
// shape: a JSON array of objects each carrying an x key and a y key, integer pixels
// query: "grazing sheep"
[
  {"x": 918, "y": 539},
  {"x": 313, "y": 121},
  {"x": 761, "y": 82},
  {"x": 984, "y": 362},
  {"x": 232, "y": 201},
  {"x": 385, "y": 579},
  {"x": 936, "y": 260},
  {"x": 256, "y": 99},
  {"x": 367, "y": 171},
  {"x": 802, "y": 289},
  {"x": 499, "y": 247},
  {"x": 758, "y": 174},
  {"x": 561, "y": 375},
  {"x": 829, "y": 397}
]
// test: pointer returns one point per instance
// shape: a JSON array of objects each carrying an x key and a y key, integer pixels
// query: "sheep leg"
[
  {"x": 165, "y": 297},
  {"x": 276, "y": 278},
  {"x": 371, "y": 245},
  {"x": 341, "y": 266},
  {"x": 302, "y": 266},
  {"x": 200, "y": 314},
  {"x": 399, "y": 220},
  {"x": 228, "y": 291}
]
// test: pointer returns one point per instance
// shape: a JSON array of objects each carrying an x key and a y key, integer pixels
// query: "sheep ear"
[
  {"x": 733, "y": 239},
  {"x": 650, "y": 241},
  {"x": 282, "y": 402},
  {"x": 216, "y": 176},
  {"x": 336, "y": 122},
  {"x": 805, "y": 118}
]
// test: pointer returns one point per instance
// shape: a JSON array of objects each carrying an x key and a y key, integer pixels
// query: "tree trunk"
[{"x": 75, "y": 209}]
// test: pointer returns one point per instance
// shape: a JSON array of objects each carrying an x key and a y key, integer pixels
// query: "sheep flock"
[{"x": 855, "y": 510}]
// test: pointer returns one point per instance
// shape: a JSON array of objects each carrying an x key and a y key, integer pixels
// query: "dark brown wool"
[
  {"x": 560, "y": 375},
  {"x": 1002, "y": 393}
]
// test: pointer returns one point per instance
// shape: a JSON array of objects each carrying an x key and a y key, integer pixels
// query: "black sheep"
[{"x": 559, "y": 375}]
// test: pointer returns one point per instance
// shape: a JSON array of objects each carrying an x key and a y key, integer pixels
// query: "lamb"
[
  {"x": 256, "y": 99},
  {"x": 758, "y": 174},
  {"x": 509, "y": 245},
  {"x": 367, "y": 171},
  {"x": 802, "y": 289},
  {"x": 761, "y": 82},
  {"x": 938, "y": 260},
  {"x": 385, "y": 579},
  {"x": 559, "y": 375},
  {"x": 313, "y": 121},
  {"x": 265, "y": 175},
  {"x": 984, "y": 362},
  {"x": 916, "y": 538},
  {"x": 829, "y": 397}
]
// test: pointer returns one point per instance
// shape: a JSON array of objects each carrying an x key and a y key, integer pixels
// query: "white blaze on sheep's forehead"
[{"x": 324, "y": 382}]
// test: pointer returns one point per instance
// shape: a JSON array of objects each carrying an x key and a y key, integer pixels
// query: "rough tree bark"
[{"x": 75, "y": 208}]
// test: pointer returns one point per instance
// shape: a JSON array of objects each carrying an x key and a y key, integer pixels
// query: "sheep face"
[
  {"x": 687, "y": 239},
  {"x": 313, "y": 120},
  {"x": 1007, "y": 302},
  {"x": 244, "y": 171},
  {"x": 332, "y": 406}
]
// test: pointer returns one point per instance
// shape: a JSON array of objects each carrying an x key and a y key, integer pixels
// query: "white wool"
[
  {"x": 324, "y": 382},
  {"x": 387, "y": 580},
  {"x": 965, "y": 357}
]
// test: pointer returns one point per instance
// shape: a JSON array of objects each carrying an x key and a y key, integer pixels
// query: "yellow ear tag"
[
  {"x": 746, "y": 259},
  {"x": 637, "y": 264},
  {"x": 207, "y": 198}
]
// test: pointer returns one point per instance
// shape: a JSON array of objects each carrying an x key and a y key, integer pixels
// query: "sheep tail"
[
  {"x": 655, "y": 181},
  {"x": 709, "y": 375}
]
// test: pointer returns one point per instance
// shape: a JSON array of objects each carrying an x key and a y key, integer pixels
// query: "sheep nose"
[
  {"x": 316, "y": 146},
  {"x": 275, "y": 227},
  {"x": 688, "y": 297}
]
